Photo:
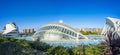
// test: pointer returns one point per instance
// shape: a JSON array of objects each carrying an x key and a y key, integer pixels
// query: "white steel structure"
[
  {"x": 58, "y": 31},
  {"x": 111, "y": 31}
]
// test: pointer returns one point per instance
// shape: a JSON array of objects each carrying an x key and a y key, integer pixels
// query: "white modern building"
[
  {"x": 58, "y": 31},
  {"x": 10, "y": 30},
  {"x": 111, "y": 31}
]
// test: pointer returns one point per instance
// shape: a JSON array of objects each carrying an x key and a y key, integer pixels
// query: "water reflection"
[{"x": 92, "y": 40}]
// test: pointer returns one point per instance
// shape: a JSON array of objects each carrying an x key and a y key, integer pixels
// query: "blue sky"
[{"x": 77, "y": 13}]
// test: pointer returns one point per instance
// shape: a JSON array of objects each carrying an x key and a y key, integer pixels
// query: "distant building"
[
  {"x": 99, "y": 30},
  {"x": 27, "y": 32}
]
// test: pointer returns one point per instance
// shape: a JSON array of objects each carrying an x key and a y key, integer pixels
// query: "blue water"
[
  {"x": 94, "y": 37},
  {"x": 92, "y": 40},
  {"x": 74, "y": 43}
]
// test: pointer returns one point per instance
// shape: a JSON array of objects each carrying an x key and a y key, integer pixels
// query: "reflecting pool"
[{"x": 93, "y": 39}]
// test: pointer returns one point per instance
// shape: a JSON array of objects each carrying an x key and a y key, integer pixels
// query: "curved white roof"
[{"x": 64, "y": 25}]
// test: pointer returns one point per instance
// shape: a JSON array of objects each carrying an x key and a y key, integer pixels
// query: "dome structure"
[{"x": 57, "y": 31}]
